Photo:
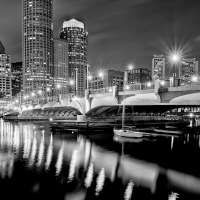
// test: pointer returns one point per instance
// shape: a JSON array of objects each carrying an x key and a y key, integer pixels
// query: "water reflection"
[
  {"x": 33, "y": 151},
  {"x": 87, "y": 167},
  {"x": 41, "y": 150},
  {"x": 129, "y": 191},
  {"x": 89, "y": 176},
  {"x": 59, "y": 160},
  {"x": 73, "y": 165},
  {"x": 49, "y": 153},
  {"x": 100, "y": 181}
]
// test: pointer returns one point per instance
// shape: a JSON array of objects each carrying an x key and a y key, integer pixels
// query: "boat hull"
[{"x": 128, "y": 133}]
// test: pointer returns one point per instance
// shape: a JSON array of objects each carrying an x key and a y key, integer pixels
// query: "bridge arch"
[
  {"x": 187, "y": 99},
  {"x": 103, "y": 100},
  {"x": 149, "y": 98}
]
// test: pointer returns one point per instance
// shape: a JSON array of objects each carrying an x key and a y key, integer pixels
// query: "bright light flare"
[
  {"x": 194, "y": 78},
  {"x": 58, "y": 86},
  {"x": 32, "y": 94},
  {"x": 191, "y": 115},
  {"x": 127, "y": 87},
  {"x": 89, "y": 77},
  {"x": 148, "y": 84},
  {"x": 40, "y": 92},
  {"x": 162, "y": 82},
  {"x": 130, "y": 66},
  {"x": 71, "y": 82},
  {"x": 100, "y": 74}
]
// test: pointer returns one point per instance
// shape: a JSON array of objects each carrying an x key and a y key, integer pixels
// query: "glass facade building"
[
  {"x": 37, "y": 51},
  {"x": 77, "y": 37},
  {"x": 60, "y": 67}
]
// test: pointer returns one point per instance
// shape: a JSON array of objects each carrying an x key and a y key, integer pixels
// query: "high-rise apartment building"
[
  {"x": 106, "y": 78},
  {"x": 158, "y": 66},
  {"x": 77, "y": 37},
  {"x": 61, "y": 81},
  {"x": 37, "y": 48},
  {"x": 5, "y": 77},
  {"x": 188, "y": 68},
  {"x": 17, "y": 78}
]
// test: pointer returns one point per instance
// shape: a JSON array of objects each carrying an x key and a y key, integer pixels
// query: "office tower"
[
  {"x": 188, "y": 69},
  {"x": 106, "y": 78},
  {"x": 37, "y": 48},
  {"x": 2, "y": 49},
  {"x": 77, "y": 37},
  {"x": 60, "y": 67},
  {"x": 5, "y": 77},
  {"x": 138, "y": 75},
  {"x": 158, "y": 66},
  {"x": 17, "y": 78}
]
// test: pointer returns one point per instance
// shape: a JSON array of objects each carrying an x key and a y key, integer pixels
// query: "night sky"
[{"x": 120, "y": 31}]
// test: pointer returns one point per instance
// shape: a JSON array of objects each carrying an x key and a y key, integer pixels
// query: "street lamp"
[
  {"x": 130, "y": 67},
  {"x": 162, "y": 82},
  {"x": 101, "y": 74},
  {"x": 149, "y": 84},
  {"x": 175, "y": 58},
  {"x": 194, "y": 79}
]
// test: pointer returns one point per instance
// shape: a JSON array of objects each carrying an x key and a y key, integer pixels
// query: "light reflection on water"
[{"x": 87, "y": 167}]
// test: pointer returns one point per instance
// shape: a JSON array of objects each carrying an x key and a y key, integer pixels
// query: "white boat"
[
  {"x": 168, "y": 131},
  {"x": 128, "y": 132}
]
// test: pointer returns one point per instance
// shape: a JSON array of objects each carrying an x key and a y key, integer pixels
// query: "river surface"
[{"x": 36, "y": 163}]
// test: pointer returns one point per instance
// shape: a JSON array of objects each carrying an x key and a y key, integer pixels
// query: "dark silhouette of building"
[
  {"x": 77, "y": 37},
  {"x": 2, "y": 49},
  {"x": 17, "y": 77}
]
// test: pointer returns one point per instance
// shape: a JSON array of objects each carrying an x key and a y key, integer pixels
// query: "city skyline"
[{"x": 119, "y": 32}]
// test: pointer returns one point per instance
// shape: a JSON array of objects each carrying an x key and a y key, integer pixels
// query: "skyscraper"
[
  {"x": 37, "y": 48},
  {"x": 5, "y": 76},
  {"x": 158, "y": 66},
  {"x": 77, "y": 37},
  {"x": 60, "y": 67},
  {"x": 17, "y": 78}
]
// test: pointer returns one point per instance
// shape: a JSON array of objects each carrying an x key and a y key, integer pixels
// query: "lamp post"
[{"x": 175, "y": 60}]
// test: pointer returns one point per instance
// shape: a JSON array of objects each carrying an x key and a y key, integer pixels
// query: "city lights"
[
  {"x": 58, "y": 86},
  {"x": 130, "y": 66},
  {"x": 89, "y": 77},
  {"x": 48, "y": 89},
  {"x": 71, "y": 82},
  {"x": 148, "y": 84},
  {"x": 127, "y": 87},
  {"x": 194, "y": 78},
  {"x": 101, "y": 74},
  {"x": 162, "y": 82},
  {"x": 39, "y": 92},
  {"x": 32, "y": 94}
]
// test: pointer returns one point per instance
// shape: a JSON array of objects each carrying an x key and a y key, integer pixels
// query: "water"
[{"x": 38, "y": 164}]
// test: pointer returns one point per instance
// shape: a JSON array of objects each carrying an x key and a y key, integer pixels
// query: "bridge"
[{"x": 135, "y": 94}]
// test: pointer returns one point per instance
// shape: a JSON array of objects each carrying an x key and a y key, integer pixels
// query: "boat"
[
  {"x": 129, "y": 131},
  {"x": 170, "y": 131}
]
